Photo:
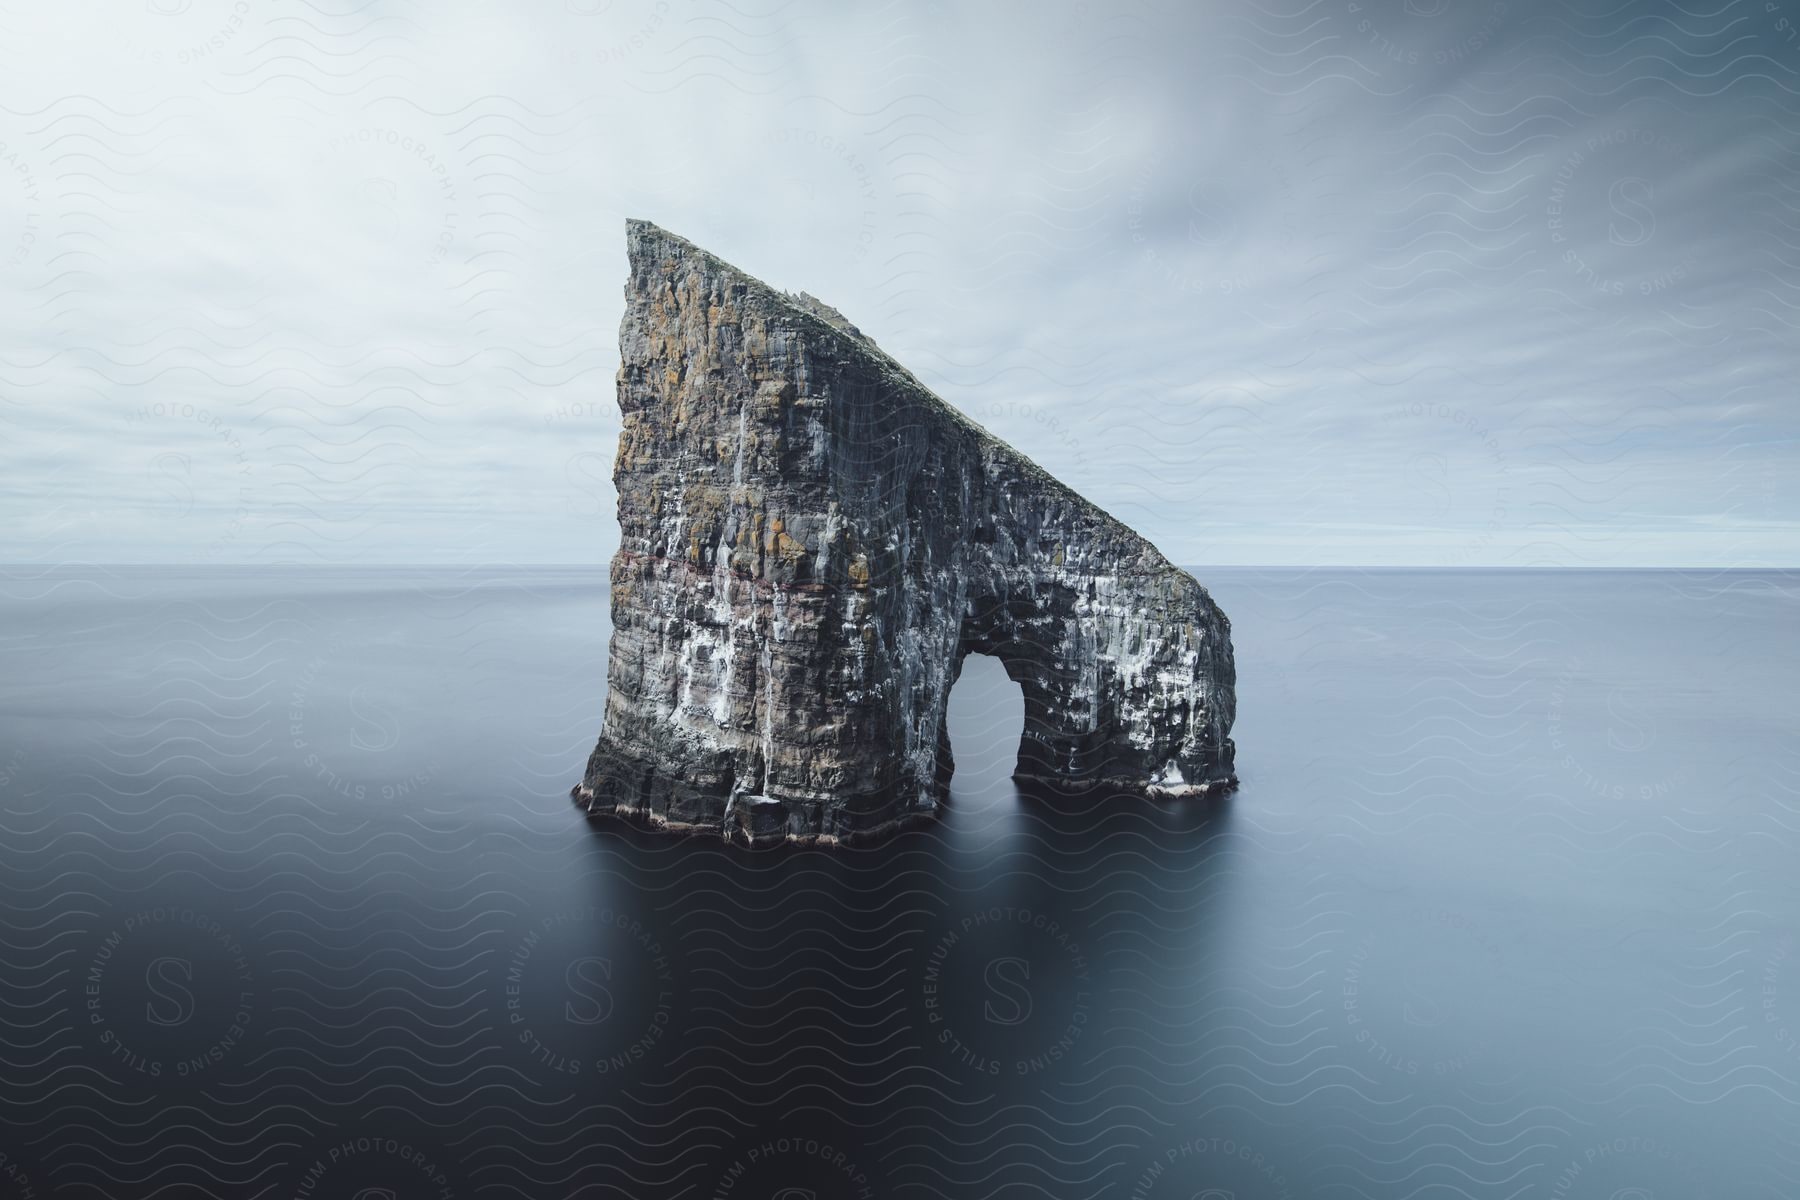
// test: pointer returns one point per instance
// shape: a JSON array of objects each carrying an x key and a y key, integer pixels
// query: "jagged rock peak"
[{"x": 811, "y": 543}]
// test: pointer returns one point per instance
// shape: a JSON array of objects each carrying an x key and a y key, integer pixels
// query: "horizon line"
[{"x": 451, "y": 566}]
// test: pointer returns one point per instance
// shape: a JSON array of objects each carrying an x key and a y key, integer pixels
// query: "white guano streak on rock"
[{"x": 737, "y": 471}]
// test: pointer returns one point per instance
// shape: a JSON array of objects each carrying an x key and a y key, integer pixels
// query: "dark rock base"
[{"x": 641, "y": 797}]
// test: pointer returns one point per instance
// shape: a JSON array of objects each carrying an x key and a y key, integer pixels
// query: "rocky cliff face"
[{"x": 813, "y": 541}]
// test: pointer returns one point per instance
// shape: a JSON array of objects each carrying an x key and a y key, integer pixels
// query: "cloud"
[{"x": 1377, "y": 282}]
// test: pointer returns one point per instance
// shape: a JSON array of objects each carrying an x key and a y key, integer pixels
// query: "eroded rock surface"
[{"x": 813, "y": 541}]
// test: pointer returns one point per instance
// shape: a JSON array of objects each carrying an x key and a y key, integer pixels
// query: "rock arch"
[{"x": 810, "y": 543}]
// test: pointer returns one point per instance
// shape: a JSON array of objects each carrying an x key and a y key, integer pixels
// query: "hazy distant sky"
[{"x": 1291, "y": 281}]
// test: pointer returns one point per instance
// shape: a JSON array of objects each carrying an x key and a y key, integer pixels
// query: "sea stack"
[{"x": 812, "y": 542}]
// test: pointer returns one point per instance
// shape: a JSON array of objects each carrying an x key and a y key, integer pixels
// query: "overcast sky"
[{"x": 1291, "y": 281}]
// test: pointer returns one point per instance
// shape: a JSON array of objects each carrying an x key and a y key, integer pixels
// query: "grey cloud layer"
[{"x": 1338, "y": 281}]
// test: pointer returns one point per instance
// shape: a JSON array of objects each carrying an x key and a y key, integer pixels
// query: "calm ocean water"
[{"x": 295, "y": 905}]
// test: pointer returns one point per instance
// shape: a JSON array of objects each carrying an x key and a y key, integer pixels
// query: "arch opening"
[{"x": 984, "y": 723}]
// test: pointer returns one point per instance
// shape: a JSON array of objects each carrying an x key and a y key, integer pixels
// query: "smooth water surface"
[{"x": 296, "y": 905}]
